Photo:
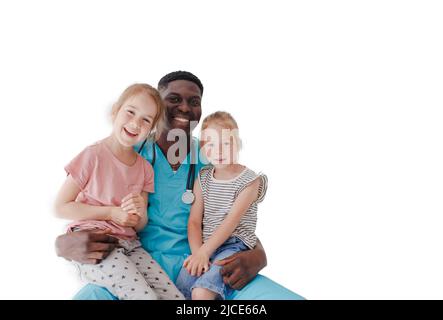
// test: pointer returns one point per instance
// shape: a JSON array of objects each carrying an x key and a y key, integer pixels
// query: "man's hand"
[
  {"x": 197, "y": 263},
  {"x": 240, "y": 268},
  {"x": 85, "y": 246}
]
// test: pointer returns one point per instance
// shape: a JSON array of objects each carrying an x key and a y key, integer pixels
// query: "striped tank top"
[{"x": 219, "y": 196}]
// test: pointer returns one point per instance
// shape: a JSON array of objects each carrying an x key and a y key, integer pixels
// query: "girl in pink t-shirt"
[{"x": 107, "y": 189}]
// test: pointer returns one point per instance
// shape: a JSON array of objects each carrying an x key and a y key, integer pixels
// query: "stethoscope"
[{"x": 188, "y": 196}]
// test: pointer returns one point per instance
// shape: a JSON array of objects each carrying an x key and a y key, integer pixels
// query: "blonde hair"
[
  {"x": 225, "y": 120},
  {"x": 158, "y": 123}
]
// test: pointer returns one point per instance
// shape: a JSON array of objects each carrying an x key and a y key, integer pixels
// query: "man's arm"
[{"x": 240, "y": 268}]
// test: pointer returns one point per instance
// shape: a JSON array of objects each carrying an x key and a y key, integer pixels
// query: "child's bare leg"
[{"x": 203, "y": 294}]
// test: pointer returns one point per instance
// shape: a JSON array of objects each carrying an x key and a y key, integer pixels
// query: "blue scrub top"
[{"x": 165, "y": 236}]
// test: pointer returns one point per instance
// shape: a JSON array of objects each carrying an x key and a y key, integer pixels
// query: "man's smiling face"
[{"x": 183, "y": 104}]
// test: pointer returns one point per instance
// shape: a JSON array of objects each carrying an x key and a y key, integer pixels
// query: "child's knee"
[{"x": 203, "y": 294}]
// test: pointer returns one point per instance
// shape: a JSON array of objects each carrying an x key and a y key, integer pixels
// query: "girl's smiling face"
[
  {"x": 220, "y": 145},
  {"x": 133, "y": 121}
]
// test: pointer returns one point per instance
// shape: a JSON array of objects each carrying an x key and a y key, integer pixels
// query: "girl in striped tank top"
[{"x": 223, "y": 216}]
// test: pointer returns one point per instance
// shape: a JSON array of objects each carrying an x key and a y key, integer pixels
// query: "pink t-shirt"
[{"x": 105, "y": 181}]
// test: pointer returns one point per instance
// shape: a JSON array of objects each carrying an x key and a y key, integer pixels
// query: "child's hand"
[
  {"x": 197, "y": 263},
  {"x": 123, "y": 218},
  {"x": 134, "y": 204}
]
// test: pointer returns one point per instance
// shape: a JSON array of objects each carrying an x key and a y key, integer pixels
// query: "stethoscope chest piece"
[{"x": 188, "y": 197}]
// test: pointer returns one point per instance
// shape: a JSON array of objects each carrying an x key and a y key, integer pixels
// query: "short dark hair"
[{"x": 179, "y": 75}]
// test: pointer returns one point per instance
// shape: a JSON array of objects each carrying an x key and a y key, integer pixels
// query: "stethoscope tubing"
[{"x": 191, "y": 171}]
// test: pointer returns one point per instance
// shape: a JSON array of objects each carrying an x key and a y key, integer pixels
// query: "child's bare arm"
[
  {"x": 67, "y": 208},
  {"x": 239, "y": 208},
  {"x": 195, "y": 220},
  {"x": 144, "y": 216}
]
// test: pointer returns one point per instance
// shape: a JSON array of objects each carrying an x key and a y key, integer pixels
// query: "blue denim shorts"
[{"x": 211, "y": 279}]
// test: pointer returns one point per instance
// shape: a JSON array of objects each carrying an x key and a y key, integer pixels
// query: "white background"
[{"x": 339, "y": 102}]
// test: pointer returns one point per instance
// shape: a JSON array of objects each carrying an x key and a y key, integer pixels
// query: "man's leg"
[
  {"x": 263, "y": 288},
  {"x": 94, "y": 292}
]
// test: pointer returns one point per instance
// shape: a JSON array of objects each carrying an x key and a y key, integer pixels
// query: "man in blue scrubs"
[{"x": 165, "y": 236}]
